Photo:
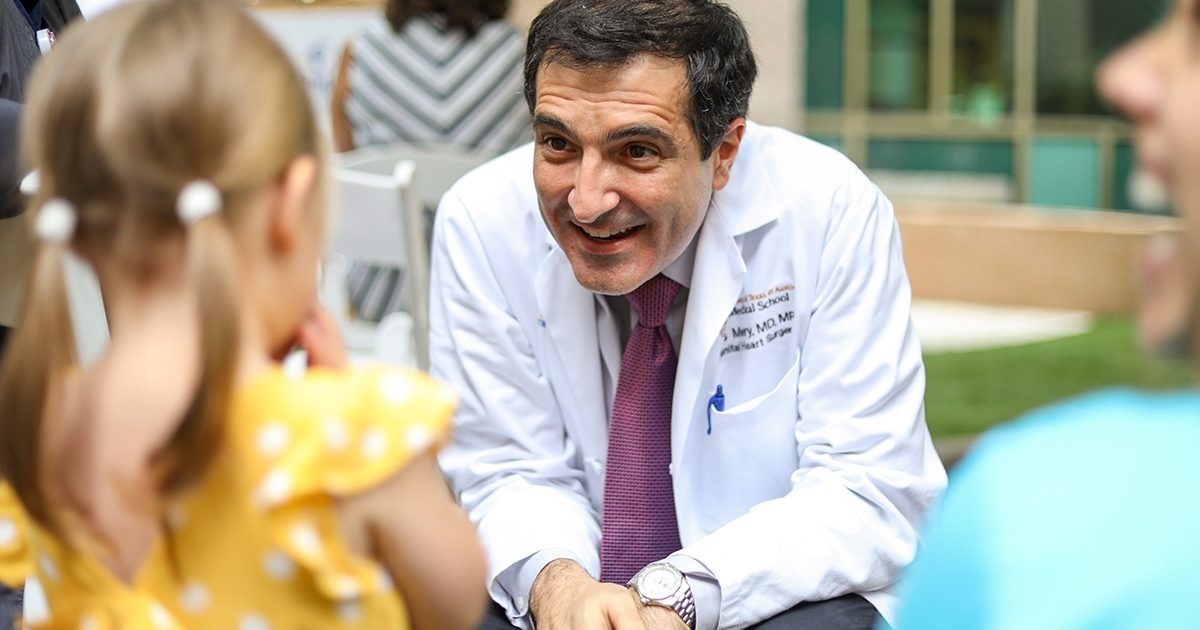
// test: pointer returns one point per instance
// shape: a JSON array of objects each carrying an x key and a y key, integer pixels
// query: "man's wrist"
[
  {"x": 663, "y": 585},
  {"x": 706, "y": 590},
  {"x": 655, "y": 616},
  {"x": 517, "y": 581},
  {"x": 553, "y": 582}
]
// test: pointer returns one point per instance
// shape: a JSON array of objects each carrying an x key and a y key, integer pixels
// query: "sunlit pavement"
[{"x": 956, "y": 326}]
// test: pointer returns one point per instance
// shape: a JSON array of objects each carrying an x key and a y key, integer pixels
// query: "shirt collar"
[{"x": 680, "y": 270}]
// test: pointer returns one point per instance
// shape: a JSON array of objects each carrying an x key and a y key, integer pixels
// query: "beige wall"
[
  {"x": 776, "y": 32},
  {"x": 523, "y": 11},
  {"x": 1026, "y": 257}
]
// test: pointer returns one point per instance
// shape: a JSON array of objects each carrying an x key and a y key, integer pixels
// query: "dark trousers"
[
  {"x": 848, "y": 612},
  {"x": 10, "y": 607}
]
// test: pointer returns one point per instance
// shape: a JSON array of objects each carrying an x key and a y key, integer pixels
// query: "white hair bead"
[
  {"x": 29, "y": 185},
  {"x": 198, "y": 200},
  {"x": 56, "y": 221}
]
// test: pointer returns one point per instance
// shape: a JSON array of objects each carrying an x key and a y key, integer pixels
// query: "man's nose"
[
  {"x": 592, "y": 195},
  {"x": 1134, "y": 80}
]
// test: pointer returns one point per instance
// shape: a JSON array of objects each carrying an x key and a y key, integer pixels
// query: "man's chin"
[
  {"x": 612, "y": 282},
  {"x": 607, "y": 288}
]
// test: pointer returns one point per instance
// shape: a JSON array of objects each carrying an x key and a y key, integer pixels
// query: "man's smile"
[{"x": 608, "y": 234}]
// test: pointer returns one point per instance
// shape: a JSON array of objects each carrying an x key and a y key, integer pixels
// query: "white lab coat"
[{"x": 816, "y": 474}]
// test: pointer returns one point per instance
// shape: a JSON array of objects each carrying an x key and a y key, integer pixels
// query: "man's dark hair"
[
  {"x": 707, "y": 35},
  {"x": 468, "y": 15}
]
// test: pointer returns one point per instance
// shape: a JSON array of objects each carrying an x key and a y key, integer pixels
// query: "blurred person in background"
[
  {"x": 18, "y": 51},
  {"x": 27, "y": 30},
  {"x": 1083, "y": 515},
  {"x": 435, "y": 71},
  {"x": 11, "y": 201},
  {"x": 184, "y": 479},
  {"x": 446, "y": 72}
]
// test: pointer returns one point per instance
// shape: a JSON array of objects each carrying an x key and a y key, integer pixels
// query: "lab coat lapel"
[
  {"x": 568, "y": 314},
  {"x": 717, "y": 278},
  {"x": 748, "y": 202}
]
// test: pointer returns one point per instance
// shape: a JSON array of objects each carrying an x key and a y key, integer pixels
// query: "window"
[
  {"x": 899, "y": 55},
  {"x": 1074, "y": 36},
  {"x": 983, "y": 58},
  {"x": 984, "y": 156},
  {"x": 825, "y": 48}
]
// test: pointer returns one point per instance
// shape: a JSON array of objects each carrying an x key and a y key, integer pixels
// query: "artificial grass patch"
[{"x": 968, "y": 392}]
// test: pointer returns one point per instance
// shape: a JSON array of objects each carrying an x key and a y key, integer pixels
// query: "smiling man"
[{"x": 691, "y": 392}]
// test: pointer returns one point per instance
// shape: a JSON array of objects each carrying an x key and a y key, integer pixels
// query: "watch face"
[{"x": 659, "y": 582}]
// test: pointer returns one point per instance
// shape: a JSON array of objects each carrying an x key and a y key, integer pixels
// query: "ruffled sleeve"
[
  {"x": 339, "y": 435},
  {"x": 387, "y": 417},
  {"x": 16, "y": 559}
]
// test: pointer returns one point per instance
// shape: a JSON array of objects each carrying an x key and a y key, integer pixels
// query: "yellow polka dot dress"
[{"x": 256, "y": 545}]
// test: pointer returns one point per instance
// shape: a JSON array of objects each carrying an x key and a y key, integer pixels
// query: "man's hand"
[{"x": 565, "y": 597}]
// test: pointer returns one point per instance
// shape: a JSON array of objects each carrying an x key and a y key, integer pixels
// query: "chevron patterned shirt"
[
  {"x": 431, "y": 84},
  {"x": 428, "y": 83}
]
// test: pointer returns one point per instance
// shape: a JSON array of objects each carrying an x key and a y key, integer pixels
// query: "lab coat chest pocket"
[{"x": 751, "y": 453}]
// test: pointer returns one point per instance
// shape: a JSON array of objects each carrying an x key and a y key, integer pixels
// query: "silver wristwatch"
[{"x": 661, "y": 584}]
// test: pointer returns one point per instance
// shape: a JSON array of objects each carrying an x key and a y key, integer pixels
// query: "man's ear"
[
  {"x": 726, "y": 152},
  {"x": 293, "y": 194}
]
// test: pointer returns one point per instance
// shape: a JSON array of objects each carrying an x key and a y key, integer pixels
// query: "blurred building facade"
[
  {"x": 777, "y": 33},
  {"x": 989, "y": 100},
  {"x": 981, "y": 100}
]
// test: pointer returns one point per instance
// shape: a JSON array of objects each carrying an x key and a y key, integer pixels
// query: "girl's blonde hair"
[{"x": 125, "y": 112}]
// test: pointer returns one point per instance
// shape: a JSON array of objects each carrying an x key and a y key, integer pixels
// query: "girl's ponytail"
[
  {"x": 38, "y": 355},
  {"x": 211, "y": 265},
  {"x": 130, "y": 106}
]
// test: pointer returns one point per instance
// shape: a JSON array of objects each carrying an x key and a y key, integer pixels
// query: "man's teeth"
[{"x": 603, "y": 234}]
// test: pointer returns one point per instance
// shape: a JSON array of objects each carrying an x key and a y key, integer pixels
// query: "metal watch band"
[{"x": 685, "y": 605}]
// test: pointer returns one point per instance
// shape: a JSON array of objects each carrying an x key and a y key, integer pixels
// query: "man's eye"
[
  {"x": 555, "y": 143},
  {"x": 638, "y": 152}
]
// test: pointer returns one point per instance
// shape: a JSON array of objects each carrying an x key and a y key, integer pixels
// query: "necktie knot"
[{"x": 653, "y": 300}]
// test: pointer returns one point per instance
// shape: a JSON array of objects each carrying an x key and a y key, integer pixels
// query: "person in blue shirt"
[{"x": 1084, "y": 515}]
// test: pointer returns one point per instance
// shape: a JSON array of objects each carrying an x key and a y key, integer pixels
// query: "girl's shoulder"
[
  {"x": 366, "y": 389},
  {"x": 336, "y": 431}
]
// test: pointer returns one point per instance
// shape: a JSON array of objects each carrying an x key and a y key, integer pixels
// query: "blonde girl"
[{"x": 183, "y": 480}]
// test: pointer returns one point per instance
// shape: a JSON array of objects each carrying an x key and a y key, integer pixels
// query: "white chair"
[
  {"x": 380, "y": 223},
  {"x": 392, "y": 167},
  {"x": 87, "y": 310},
  {"x": 439, "y": 165}
]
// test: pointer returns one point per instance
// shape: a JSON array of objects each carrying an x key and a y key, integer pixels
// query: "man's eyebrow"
[
  {"x": 642, "y": 131},
  {"x": 546, "y": 120}
]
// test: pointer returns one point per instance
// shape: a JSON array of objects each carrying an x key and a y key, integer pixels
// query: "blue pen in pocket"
[{"x": 716, "y": 401}]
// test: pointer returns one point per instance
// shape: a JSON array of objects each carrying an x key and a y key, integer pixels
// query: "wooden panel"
[{"x": 1025, "y": 256}]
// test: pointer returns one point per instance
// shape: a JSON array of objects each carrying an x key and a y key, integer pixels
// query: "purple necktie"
[{"x": 638, "y": 518}]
